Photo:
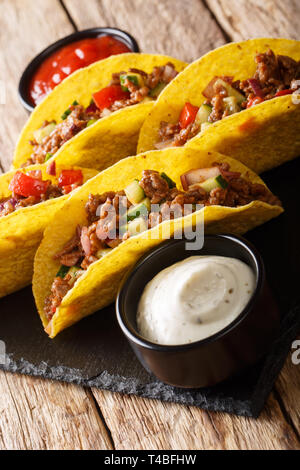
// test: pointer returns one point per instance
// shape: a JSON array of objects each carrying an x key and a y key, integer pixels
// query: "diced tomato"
[
  {"x": 254, "y": 101},
  {"x": 284, "y": 92},
  {"x": 107, "y": 96},
  {"x": 69, "y": 177},
  {"x": 188, "y": 115},
  {"x": 68, "y": 189},
  {"x": 24, "y": 185}
]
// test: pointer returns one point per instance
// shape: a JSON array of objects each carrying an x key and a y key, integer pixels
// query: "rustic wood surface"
[{"x": 39, "y": 414}]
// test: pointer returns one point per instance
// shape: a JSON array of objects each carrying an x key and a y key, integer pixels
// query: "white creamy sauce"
[{"x": 194, "y": 299}]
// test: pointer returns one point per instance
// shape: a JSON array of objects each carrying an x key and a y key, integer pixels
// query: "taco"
[
  {"x": 28, "y": 200},
  {"x": 105, "y": 227},
  {"x": 93, "y": 118},
  {"x": 240, "y": 99}
]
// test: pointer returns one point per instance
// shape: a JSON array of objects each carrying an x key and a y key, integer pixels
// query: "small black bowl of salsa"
[{"x": 61, "y": 59}]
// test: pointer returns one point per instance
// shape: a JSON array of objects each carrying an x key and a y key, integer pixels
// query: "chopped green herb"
[
  {"x": 48, "y": 156},
  {"x": 66, "y": 114},
  {"x": 91, "y": 122},
  {"x": 170, "y": 182},
  {"x": 63, "y": 271},
  {"x": 222, "y": 181},
  {"x": 131, "y": 78},
  {"x": 68, "y": 111}
]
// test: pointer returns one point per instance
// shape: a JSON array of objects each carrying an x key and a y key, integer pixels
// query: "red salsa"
[{"x": 70, "y": 58}]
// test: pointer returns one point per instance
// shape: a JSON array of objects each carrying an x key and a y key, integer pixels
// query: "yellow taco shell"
[
  {"x": 21, "y": 232},
  {"x": 109, "y": 139},
  {"x": 262, "y": 137},
  {"x": 98, "y": 286}
]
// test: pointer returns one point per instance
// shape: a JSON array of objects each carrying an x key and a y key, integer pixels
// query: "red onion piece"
[
  {"x": 255, "y": 85},
  {"x": 164, "y": 144},
  {"x": 198, "y": 176},
  {"x": 209, "y": 91},
  {"x": 91, "y": 109},
  {"x": 169, "y": 73},
  {"x": 51, "y": 169},
  {"x": 228, "y": 175}
]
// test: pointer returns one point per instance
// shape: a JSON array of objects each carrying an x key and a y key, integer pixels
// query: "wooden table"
[{"x": 39, "y": 414}]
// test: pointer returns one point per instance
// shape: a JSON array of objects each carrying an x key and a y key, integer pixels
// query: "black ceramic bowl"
[
  {"x": 212, "y": 360},
  {"x": 126, "y": 38}
]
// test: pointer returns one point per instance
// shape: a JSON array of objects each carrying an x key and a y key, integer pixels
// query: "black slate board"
[{"x": 95, "y": 353}]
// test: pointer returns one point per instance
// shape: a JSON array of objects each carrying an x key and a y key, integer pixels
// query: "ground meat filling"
[
  {"x": 64, "y": 131},
  {"x": 160, "y": 75},
  {"x": 173, "y": 134},
  {"x": 273, "y": 74},
  {"x": 59, "y": 289},
  {"x": 103, "y": 229},
  {"x": 78, "y": 117},
  {"x": 155, "y": 187}
]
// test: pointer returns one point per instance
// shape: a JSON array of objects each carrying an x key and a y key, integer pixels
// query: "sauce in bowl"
[
  {"x": 62, "y": 63},
  {"x": 194, "y": 299}
]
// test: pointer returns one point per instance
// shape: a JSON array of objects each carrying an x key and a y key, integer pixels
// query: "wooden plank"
[
  {"x": 245, "y": 19},
  {"x": 24, "y": 31},
  {"x": 40, "y": 414},
  {"x": 37, "y": 414},
  {"x": 184, "y": 30},
  {"x": 288, "y": 388},
  {"x": 137, "y": 424}
]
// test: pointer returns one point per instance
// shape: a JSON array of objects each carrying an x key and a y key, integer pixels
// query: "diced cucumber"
[
  {"x": 157, "y": 90},
  {"x": 73, "y": 271},
  {"x": 101, "y": 253},
  {"x": 134, "y": 193},
  {"x": 209, "y": 185},
  {"x": 147, "y": 203},
  {"x": 63, "y": 271},
  {"x": 91, "y": 122},
  {"x": 170, "y": 182},
  {"x": 139, "y": 210},
  {"x": 231, "y": 104},
  {"x": 230, "y": 90},
  {"x": 48, "y": 156},
  {"x": 205, "y": 125},
  {"x": 222, "y": 182},
  {"x": 134, "y": 78},
  {"x": 213, "y": 183},
  {"x": 40, "y": 134},
  {"x": 203, "y": 114},
  {"x": 137, "y": 226},
  {"x": 147, "y": 99}
]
